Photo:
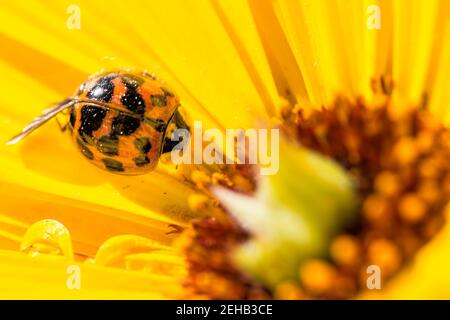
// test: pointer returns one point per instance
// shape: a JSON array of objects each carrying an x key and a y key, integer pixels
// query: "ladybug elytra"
[{"x": 119, "y": 120}]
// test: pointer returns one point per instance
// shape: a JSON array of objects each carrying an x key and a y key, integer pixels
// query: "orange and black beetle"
[{"x": 119, "y": 120}]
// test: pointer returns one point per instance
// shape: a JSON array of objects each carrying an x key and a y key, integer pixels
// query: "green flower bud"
[{"x": 293, "y": 216}]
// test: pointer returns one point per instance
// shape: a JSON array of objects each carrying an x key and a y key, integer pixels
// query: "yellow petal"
[
  {"x": 45, "y": 277},
  {"x": 114, "y": 250}
]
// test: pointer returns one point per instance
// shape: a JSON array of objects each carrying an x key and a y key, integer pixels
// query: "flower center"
[{"x": 402, "y": 174}]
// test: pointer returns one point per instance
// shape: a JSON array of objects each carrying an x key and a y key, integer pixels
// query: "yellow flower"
[{"x": 234, "y": 64}]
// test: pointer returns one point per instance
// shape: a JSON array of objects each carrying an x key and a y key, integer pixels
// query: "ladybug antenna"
[{"x": 43, "y": 118}]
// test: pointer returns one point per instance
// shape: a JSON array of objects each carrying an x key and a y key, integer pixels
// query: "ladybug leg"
[
  {"x": 175, "y": 229},
  {"x": 62, "y": 126}
]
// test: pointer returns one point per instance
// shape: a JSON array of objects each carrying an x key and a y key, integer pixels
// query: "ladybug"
[{"x": 120, "y": 120}]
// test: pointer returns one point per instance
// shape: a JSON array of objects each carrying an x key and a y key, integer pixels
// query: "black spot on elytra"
[
  {"x": 124, "y": 125},
  {"x": 132, "y": 100},
  {"x": 157, "y": 124},
  {"x": 103, "y": 90},
  {"x": 158, "y": 100},
  {"x": 132, "y": 81},
  {"x": 141, "y": 160},
  {"x": 167, "y": 93},
  {"x": 143, "y": 145},
  {"x": 113, "y": 165},
  {"x": 91, "y": 120},
  {"x": 148, "y": 75},
  {"x": 84, "y": 149},
  {"x": 108, "y": 145}
]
